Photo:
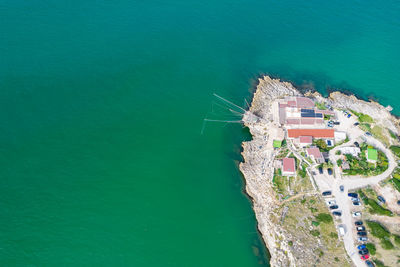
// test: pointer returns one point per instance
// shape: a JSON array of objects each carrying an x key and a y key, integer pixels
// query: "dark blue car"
[{"x": 352, "y": 195}]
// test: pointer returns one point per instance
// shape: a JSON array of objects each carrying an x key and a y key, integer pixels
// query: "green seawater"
[{"x": 103, "y": 161}]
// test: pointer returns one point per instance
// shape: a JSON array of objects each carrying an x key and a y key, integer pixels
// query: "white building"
[
  {"x": 340, "y": 136},
  {"x": 354, "y": 151}
]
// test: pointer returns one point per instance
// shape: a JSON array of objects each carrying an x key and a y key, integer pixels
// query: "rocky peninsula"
[{"x": 297, "y": 221}]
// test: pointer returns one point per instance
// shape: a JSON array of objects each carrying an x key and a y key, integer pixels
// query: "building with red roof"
[
  {"x": 315, "y": 154},
  {"x": 314, "y": 133},
  {"x": 305, "y": 141},
  {"x": 289, "y": 167}
]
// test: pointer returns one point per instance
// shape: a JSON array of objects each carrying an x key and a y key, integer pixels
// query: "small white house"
[
  {"x": 340, "y": 136},
  {"x": 354, "y": 151}
]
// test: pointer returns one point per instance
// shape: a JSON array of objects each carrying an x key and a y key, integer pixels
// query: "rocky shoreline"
[{"x": 258, "y": 159}]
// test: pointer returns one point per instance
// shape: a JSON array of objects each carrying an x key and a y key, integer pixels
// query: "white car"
[
  {"x": 355, "y": 199},
  {"x": 331, "y": 202},
  {"x": 356, "y": 214}
]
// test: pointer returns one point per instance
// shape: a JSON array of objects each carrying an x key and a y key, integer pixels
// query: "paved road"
[{"x": 352, "y": 183}]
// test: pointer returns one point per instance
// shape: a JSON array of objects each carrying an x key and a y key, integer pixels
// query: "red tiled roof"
[
  {"x": 293, "y": 121},
  {"x": 307, "y": 121},
  {"x": 291, "y": 103},
  {"x": 305, "y": 139},
  {"x": 316, "y": 133},
  {"x": 304, "y": 102},
  {"x": 289, "y": 165},
  {"x": 314, "y": 151}
]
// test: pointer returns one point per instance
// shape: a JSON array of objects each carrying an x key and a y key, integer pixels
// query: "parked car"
[
  {"x": 341, "y": 188},
  {"x": 337, "y": 213},
  {"x": 330, "y": 171},
  {"x": 362, "y": 233},
  {"x": 363, "y": 252},
  {"x": 358, "y": 223},
  {"x": 333, "y": 207},
  {"x": 363, "y": 238},
  {"x": 356, "y": 144},
  {"x": 327, "y": 193},
  {"x": 356, "y": 214},
  {"x": 348, "y": 115},
  {"x": 361, "y": 246},
  {"x": 360, "y": 228},
  {"x": 355, "y": 199},
  {"x": 381, "y": 199},
  {"x": 368, "y": 134},
  {"x": 369, "y": 264},
  {"x": 352, "y": 194},
  {"x": 356, "y": 203},
  {"x": 320, "y": 170},
  {"x": 365, "y": 257},
  {"x": 398, "y": 202},
  {"x": 357, "y": 123},
  {"x": 330, "y": 125},
  {"x": 336, "y": 123}
]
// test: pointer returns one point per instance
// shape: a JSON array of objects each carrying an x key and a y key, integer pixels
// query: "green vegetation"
[
  {"x": 397, "y": 240},
  {"x": 360, "y": 166},
  {"x": 378, "y": 263},
  {"x": 378, "y": 230},
  {"x": 339, "y": 162},
  {"x": 386, "y": 244},
  {"x": 372, "y": 154},
  {"x": 371, "y": 247},
  {"x": 393, "y": 135},
  {"x": 338, "y": 152},
  {"x": 382, "y": 233},
  {"x": 290, "y": 243},
  {"x": 365, "y": 127},
  {"x": 327, "y": 117},
  {"x": 302, "y": 172},
  {"x": 379, "y": 133},
  {"x": 374, "y": 207},
  {"x": 320, "y": 105},
  {"x": 395, "y": 150},
  {"x": 396, "y": 183},
  {"x": 363, "y": 117},
  {"x": 277, "y": 144},
  {"x": 320, "y": 143},
  {"x": 315, "y": 223},
  {"x": 324, "y": 217},
  {"x": 315, "y": 232}
]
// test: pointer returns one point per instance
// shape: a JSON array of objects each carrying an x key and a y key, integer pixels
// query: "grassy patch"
[
  {"x": 378, "y": 132},
  {"x": 320, "y": 105},
  {"x": 378, "y": 263},
  {"x": 395, "y": 150},
  {"x": 324, "y": 217},
  {"x": 315, "y": 232},
  {"x": 378, "y": 230},
  {"x": 397, "y": 240},
  {"x": 371, "y": 247},
  {"x": 393, "y": 135},
  {"x": 363, "y": 117},
  {"x": 386, "y": 244}
]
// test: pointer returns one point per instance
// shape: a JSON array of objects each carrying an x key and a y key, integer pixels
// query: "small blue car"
[{"x": 360, "y": 247}]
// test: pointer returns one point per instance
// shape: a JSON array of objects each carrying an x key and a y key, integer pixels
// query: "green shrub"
[
  {"x": 339, "y": 162},
  {"x": 375, "y": 208},
  {"x": 386, "y": 244},
  {"x": 371, "y": 247},
  {"x": 333, "y": 235},
  {"x": 324, "y": 217},
  {"x": 396, "y": 183},
  {"x": 378, "y": 230},
  {"x": 395, "y": 150},
  {"x": 378, "y": 263},
  {"x": 315, "y": 232},
  {"x": 338, "y": 152},
  {"x": 397, "y": 240},
  {"x": 290, "y": 243},
  {"x": 393, "y": 135},
  {"x": 336, "y": 259},
  {"x": 315, "y": 223}
]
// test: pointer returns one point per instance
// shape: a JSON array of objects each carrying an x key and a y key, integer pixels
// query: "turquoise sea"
[{"x": 102, "y": 159}]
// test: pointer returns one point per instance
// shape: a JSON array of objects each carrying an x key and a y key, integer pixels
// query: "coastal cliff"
[{"x": 292, "y": 244}]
